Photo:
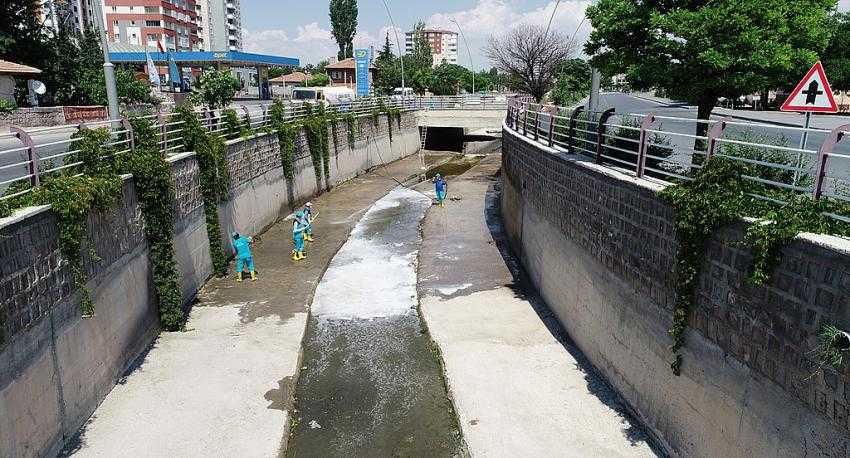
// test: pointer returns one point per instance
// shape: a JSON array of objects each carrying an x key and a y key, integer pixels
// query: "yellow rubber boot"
[
  {"x": 308, "y": 238},
  {"x": 302, "y": 255},
  {"x": 253, "y": 276},
  {"x": 295, "y": 255},
  {"x": 238, "y": 277}
]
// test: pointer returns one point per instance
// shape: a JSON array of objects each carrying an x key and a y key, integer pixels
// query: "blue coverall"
[
  {"x": 242, "y": 247},
  {"x": 308, "y": 218},
  {"x": 298, "y": 228},
  {"x": 440, "y": 187}
]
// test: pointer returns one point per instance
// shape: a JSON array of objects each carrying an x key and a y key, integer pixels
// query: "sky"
[{"x": 301, "y": 28}]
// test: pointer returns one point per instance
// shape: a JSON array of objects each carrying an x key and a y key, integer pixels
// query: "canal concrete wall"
[
  {"x": 55, "y": 366},
  {"x": 601, "y": 248}
]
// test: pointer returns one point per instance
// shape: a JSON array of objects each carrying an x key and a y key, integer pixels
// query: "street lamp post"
[
  {"x": 468, "y": 52},
  {"x": 108, "y": 67},
  {"x": 400, "y": 56}
]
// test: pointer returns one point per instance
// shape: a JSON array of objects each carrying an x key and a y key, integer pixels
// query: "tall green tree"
[
  {"x": 448, "y": 79},
  {"x": 22, "y": 37},
  {"x": 422, "y": 55},
  {"x": 386, "y": 53},
  {"x": 573, "y": 82},
  {"x": 701, "y": 50},
  {"x": 343, "y": 15},
  {"x": 836, "y": 56}
]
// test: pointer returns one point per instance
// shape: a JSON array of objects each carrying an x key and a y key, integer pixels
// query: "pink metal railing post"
[
  {"x": 826, "y": 148},
  {"x": 537, "y": 122},
  {"x": 525, "y": 122},
  {"x": 645, "y": 125},
  {"x": 600, "y": 132},
  {"x": 714, "y": 134},
  {"x": 571, "y": 132},
  {"x": 32, "y": 153}
]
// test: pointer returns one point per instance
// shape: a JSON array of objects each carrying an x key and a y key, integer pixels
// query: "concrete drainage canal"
[{"x": 370, "y": 384}]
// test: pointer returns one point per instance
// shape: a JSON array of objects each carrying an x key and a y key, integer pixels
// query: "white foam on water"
[
  {"x": 449, "y": 290},
  {"x": 371, "y": 277}
]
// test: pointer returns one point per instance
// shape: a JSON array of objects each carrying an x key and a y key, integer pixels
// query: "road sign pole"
[{"x": 803, "y": 140}]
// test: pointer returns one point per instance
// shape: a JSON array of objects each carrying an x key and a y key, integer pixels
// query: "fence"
[
  {"x": 27, "y": 155},
  {"x": 667, "y": 148}
]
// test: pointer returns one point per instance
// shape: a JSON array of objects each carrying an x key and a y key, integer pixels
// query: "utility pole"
[
  {"x": 468, "y": 53},
  {"x": 108, "y": 67}
]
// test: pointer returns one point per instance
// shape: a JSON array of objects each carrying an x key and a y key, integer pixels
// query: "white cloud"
[
  {"x": 844, "y": 5},
  {"x": 311, "y": 44}
]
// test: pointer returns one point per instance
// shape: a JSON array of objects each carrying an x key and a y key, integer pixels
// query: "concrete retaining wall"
[
  {"x": 600, "y": 247},
  {"x": 56, "y": 367}
]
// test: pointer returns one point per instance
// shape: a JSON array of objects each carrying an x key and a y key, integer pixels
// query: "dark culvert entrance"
[{"x": 456, "y": 139}]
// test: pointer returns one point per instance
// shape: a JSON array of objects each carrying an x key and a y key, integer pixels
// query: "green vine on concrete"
[
  {"x": 286, "y": 134},
  {"x": 333, "y": 119},
  {"x": 5, "y": 209},
  {"x": 232, "y": 127},
  {"x": 155, "y": 189},
  {"x": 317, "y": 139},
  {"x": 211, "y": 154},
  {"x": 718, "y": 196},
  {"x": 351, "y": 125},
  {"x": 93, "y": 185}
]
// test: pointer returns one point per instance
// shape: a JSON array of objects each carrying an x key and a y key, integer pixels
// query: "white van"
[{"x": 325, "y": 95}]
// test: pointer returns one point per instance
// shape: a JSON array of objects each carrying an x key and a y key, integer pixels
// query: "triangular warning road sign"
[{"x": 812, "y": 94}]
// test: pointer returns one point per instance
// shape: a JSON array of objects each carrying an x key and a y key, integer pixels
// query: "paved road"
[{"x": 761, "y": 130}]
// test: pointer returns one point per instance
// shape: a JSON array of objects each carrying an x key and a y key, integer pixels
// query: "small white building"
[{"x": 9, "y": 72}]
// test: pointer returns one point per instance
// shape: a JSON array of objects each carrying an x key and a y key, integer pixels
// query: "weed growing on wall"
[
  {"x": 833, "y": 345},
  {"x": 718, "y": 196},
  {"x": 211, "y": 154},
  {"x": 232, "y": 127},
  {"x": 333, "y": 119},
  {"x": 5, "y": 209},
  {"x": 247, "y": 129},
  {"x": 286, "y": 133},
  {"x": 155, "y": 189},
  {"x": 351, "y": 125},
  {"x": 317, "y": 138}
]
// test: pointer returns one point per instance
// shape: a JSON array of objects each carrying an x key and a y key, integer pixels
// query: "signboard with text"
[{"x": 361, "y": 70}]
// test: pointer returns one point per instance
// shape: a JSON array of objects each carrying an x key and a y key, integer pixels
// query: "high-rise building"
[
  {"x": 173, "y": 23},
  {"x": 443, "y": 44},
  {"x": 75, "y": 14},
  {"x": 220, "y": 26}
]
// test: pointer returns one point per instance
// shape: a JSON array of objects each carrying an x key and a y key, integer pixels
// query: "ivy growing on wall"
[
  {"x": 232, "y": 127},
  {"x": 286, "y": 134},
  {"x": 211, "y": 154},
  {"x": 351, "y": 124},
  {"x": 718, "y": 196},
  {"x": 155, "y": 189}
]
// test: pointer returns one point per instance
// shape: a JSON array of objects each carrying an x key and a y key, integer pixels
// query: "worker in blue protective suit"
[
  {"x": 440, "y": 187},
  {"x": 308, "y": 219},
  {"x": 242, "y": 251},
  {"x": 299, "y": 226}
]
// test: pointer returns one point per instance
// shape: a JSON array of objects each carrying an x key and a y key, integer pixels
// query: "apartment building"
[
  {"x": 76, "y": 14},
  {"x": 220, "y": 25},
  {"x": 173, "y": 23},
  {"x": 443, "y": 44}
]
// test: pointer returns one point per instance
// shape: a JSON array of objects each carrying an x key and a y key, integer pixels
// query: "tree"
[
  {"x": 386, "y": 53},
  {"x": 274, "y": 72},
  {"x": 531, "y": 56},
  {"x": 836, "y": 56},
  {"x": 573, "y": 82},
  {"x": 387, "y": 69},
  {"x": 421, "y": 55},
  {"x": 449, "y": 78},
  {"x": 699, "y": 51},
  {"x": 422, "y": 80},
  {"x": 319, "y": 80},
  {"x": 216, "y": 88},
  {"x": 343, "y": 15},
  {"x": 22, "y": 37}
]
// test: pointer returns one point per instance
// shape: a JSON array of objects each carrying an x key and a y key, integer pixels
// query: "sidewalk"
[
  {"x": 519, "y": 387},
  {"x": 225, "y": 386}
]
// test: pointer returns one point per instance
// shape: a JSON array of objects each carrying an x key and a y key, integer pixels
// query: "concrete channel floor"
[
  {"x": 225, "y": 386},
  {"x": 520, "y": 388}
]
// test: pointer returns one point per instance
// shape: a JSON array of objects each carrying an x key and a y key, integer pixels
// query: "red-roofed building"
[{"x": 343, "y": 73}]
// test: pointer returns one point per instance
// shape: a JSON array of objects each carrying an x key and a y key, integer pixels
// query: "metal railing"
[
  {"x": 667, "y": 148},
  {"x": 27, "y": 155}
]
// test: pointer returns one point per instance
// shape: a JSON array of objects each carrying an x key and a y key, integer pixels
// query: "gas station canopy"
[{"x": 205, "y": 58}]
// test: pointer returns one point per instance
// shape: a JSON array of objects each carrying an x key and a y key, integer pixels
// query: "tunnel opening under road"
[{"x": 458, "y": 140}]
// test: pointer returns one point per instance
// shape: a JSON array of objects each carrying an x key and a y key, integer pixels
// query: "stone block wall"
[
  {"x": 55, "y": 366},
  {"x": 601, "y": 248}
]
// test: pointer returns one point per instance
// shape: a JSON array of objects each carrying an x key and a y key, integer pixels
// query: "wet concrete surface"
[
  {"x": 370, "y": 383},
  {"x": 225, "y": 386},
  {"x": 519, "y": 385}
]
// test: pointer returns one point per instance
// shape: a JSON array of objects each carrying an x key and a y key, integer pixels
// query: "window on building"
[{"x": 153, "y": 23}]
